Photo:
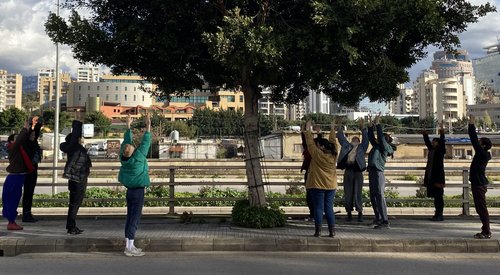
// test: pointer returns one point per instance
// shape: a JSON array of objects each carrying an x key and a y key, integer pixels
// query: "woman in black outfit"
[{"x": 434, "y": 178}]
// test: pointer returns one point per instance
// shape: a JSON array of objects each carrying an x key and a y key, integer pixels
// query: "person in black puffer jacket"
[{"x": 76, "y": 170}]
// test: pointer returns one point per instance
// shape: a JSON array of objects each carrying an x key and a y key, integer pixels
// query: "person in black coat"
[
  {"x": 477, "y": 178},
  {"x": 76, "y": 170},
  {"x": 34, "y": 152},
  {"x": 434, "y": 179}
]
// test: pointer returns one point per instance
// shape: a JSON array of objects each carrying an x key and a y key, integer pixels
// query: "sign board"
[{"x": 88, "y": 130}]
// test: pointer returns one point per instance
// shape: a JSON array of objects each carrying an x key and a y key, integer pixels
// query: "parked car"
[{"x": 93, "y": 151}]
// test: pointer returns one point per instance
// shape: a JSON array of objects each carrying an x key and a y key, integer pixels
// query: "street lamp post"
[{"x": 56, "y": 120}]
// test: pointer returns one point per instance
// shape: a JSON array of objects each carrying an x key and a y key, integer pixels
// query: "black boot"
[
  {"x": 28, "y": 217},
  {"x": 349, "y": 216},
  {"x": 317, "y": 231},
  {"x": 360, "y": 216},
  {"x": 331, "y": 229}
]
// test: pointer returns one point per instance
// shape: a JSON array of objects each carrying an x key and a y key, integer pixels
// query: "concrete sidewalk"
[{"x": 104, "y": 233}]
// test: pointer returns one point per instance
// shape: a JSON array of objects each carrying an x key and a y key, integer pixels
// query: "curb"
[{"x": 16, "y": 246}]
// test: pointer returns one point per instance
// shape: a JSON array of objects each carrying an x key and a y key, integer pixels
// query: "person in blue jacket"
[
  {"x": 381, "y": 148},
  {"x": 134, "y": 176},
  {"x": 352, "y": 161}
]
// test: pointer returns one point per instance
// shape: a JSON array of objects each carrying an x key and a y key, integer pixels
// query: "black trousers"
[
  {"x": 479, "y": 195},
  {"x": 309, "y": 199},
  {"x": 76, "y": 195},
  {"x": 437, "y": 194},
  {"x": 29, "y": 189}
]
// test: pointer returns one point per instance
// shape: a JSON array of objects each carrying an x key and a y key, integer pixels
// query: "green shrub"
[
  {"x": 257, "y": 216},
  {"x": 410, "y": 177}
]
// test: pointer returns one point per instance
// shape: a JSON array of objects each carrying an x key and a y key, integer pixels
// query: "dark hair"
[
  {"x": 388, "y": 137},
  {"x": 485, "y": 143},
  {"x": 438, "y": 140},
  {"x": 11, "y": 138},
  {"x": 328, "y": 146},
  {"x": 68, "y": 137}
]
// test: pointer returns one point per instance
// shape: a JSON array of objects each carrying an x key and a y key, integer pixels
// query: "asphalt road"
[{"x": 252, "y": 263}]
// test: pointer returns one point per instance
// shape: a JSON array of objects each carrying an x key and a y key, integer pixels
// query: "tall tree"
[
  {"x": 487, "y": 120},
  {"x": 346, "y": 49},
  {"x": 12, "y": 119},
  {"x": 48, "y": 119},
  {"x": 101, "y": 122}
]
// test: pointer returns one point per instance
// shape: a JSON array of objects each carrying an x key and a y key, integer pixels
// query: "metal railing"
[{"x": 235, "y": 173}]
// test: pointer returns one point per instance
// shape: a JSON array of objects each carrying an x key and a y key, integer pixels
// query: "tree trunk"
[{"x": 256, "y": 193}]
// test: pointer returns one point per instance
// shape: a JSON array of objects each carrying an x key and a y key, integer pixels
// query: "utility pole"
[{"x": 56, "y": 120}]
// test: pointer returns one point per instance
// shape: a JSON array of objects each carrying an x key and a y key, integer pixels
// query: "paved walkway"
[{"x": 165, "y": 233}]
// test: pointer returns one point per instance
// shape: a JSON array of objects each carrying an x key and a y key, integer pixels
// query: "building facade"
[
  {"x": 113, "y": 95},
  {"x": 47, "y": 88},
  {"x": 87, "y": 74},
  {"x": 487, "y": 70},
  {"x": 447, "y": 88},
  {"x": 11, "y": 88},
  {"x": 403, "y": 104},
  {"x": 267, "y": 107},
  {"x": 479, "y": 110},
  {"x": 318, "y": 103},
  {"x": 447, "y": 65}
]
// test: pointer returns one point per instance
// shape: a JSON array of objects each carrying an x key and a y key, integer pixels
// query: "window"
[
  {"x": 116, "y": 97},
  {"x": 125, "y": 88},
  {"x": 297, "y": 148},
  {"x": 107, "y": 88},
  {"x": 79, "y": 97},
  {"x": 97, "y": 95},
  {"x": 125, "y": 97},
  {"x": 107, "y": 97},
  {"x": 231, "y": 98},
  {"x": 79, "y": 88},
  {"x": 116, "y": 88},
  {"x": 241, "y": 98},
  {"x": 459, "y": 153},
  {"x": 98, "y": 88},
  {"x": 88, "y": 88},
  {"x": 135, "y": 97},
  {"x": 143, "y": 98}
]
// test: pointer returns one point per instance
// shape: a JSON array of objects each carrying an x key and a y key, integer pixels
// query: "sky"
[{"x": 25, "y": 48}]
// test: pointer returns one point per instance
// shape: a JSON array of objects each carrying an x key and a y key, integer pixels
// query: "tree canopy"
[
  {"x": 12, "y": 120},
  {"x": 102, "y": 124},
  {"x": 346, "y": 49}
]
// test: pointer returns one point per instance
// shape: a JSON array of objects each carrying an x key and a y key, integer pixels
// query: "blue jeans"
[
  {"x": 323, "y": 202},
  {"x": 11, "y": 195},
  {"x": 135, "y": 202}
]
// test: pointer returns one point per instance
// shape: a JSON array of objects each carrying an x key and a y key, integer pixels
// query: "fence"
[{"x": 234, "y": 172}]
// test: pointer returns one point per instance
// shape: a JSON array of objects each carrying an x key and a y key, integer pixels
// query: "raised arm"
[
  {"x": 364, "y": 134},
  {"x": 311, "y": 146},
  {"x": 146, "y": 138},
  {"x": 427, "y": 141},
  {"x": 341, "y": 136},
  {"x": 473, "y": 136},
  {"x": 76, "y": 132},
  {"x": 127, "y": 137},
  {"x": 371, "y": 136},
  {"x": 331, "y": 137},
  {"x": 442, "y": 139},
  {"x": 303, "y": 137}
]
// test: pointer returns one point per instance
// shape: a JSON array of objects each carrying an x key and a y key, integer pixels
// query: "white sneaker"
[{"x": 134, "y": 252}]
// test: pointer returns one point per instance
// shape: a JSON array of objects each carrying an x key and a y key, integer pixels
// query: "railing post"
[
  {"x": 465, "y": 193},
  {"x": 171, "y": 193}
]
